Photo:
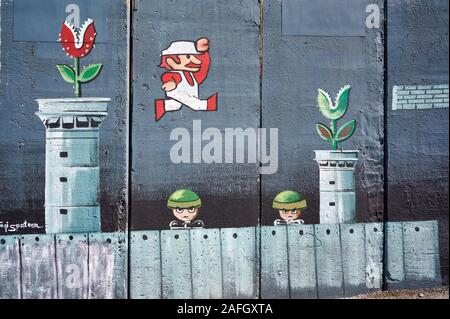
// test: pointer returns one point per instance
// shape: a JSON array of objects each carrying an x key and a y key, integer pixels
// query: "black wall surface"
[{"x": 418, "y": 140}]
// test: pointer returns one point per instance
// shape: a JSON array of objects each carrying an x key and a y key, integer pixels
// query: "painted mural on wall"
[
  {"x": 338, "y": 256},
  {"x": 337, "y": 167},
  {"x": 72, "y": 172},
  {"x": 185, "y": 205},
  {"x": 78, "y": 43},
  {"x": 187, "y": 64},
  {"x": 334, "y": 112},
  {"x": 289, "y": 205}
]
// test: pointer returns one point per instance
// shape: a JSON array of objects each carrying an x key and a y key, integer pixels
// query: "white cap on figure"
[{"x": 181, "y": 47}]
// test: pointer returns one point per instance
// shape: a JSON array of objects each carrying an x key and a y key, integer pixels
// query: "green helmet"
[
  {"x": 289, "y": 200},
  {"x": 184, "y": 198}
]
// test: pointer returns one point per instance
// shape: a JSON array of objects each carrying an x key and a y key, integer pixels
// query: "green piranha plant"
[{"x": 334, "y": 112}]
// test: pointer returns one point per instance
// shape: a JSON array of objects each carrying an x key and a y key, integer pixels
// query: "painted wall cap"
[
  {"x": 74, "y": 100},
  {"x": 327, "y": 155},
  {"x": 74, "y": 105},
  {"x": 181, "y": 47},
  {"x": 289, "y": 200},
  {"x": 184, "y": 198}
]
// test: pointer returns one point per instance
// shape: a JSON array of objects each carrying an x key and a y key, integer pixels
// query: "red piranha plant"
[{"x": 78, "y": 43}]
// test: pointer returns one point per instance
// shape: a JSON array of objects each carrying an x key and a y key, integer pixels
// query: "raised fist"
[
  {"x": 169, "y": 86},
  {"x": 202, "y": 44}
]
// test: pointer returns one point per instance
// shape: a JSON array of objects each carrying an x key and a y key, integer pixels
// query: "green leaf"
[
  {"x": 324, "y": 99},
  {"x": 342, "y": 98},
  {"x": 90, "y": 73},
  {"x": 346, "y": 131},
  {"x": 324, "y": 132},
  {"x": 67, "y": 73},
  {"x": 326, "y": 107}
]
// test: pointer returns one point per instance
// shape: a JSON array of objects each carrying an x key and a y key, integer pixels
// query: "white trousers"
[{"x": 177, "y": 99}]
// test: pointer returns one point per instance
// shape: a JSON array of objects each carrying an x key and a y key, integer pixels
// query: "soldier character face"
[
  {"x": 292, "y": 214},
  {"x": 185, "y": 214}
]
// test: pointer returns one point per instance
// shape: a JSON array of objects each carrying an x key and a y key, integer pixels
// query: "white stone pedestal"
[
  {"x": 337, "y": 186},
  {"x": 72, "y": 173}
]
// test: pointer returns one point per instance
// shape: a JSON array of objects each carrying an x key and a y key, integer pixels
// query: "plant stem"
[
  {"x": 333, "y": 131},
  {"x": 77, "y": 71}
]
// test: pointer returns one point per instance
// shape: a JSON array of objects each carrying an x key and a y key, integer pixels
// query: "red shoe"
[
  {"x": 159, "y": 109},
  {"x": 212, "y": 103}
]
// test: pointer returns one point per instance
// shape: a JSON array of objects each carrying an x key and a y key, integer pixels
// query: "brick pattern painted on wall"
[{"x": 416, "y": 97}]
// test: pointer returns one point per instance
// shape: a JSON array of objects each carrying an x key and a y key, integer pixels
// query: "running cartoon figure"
[{"x": 187, "y": 64}]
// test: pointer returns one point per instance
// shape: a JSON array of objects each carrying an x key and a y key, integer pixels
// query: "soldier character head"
[
  {"x": 185, "y": 205},
  {"x": 289, "y": 205}
]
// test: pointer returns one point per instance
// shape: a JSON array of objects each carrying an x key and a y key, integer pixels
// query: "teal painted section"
[
  {"x": 72, "y": 136},
  {"x": 206, "y": 259},
  {"x": 38, "y": 272},
  {"x": 30, "y": 68},
  {"x": 302, "y": 262},
  {"x": 258, "y": 232},
  {"x": 274, "y": 263},
  {"x": 97, "y": 106},
  {"x": 72, "y": 191},
  {"x": 84, "y": 149},
  {"x": 328, "y": 261},
  {"x": 353, "y": 258},
  {"x": 421, "y": 254},
  {"x": 297, "y": 261},
  {"x": 72, "y": 266},
  {"x": 337, "y": 207},
  {"x": 73, "y": 186},
  {"x": 108, "y": 266},
  {"x": 9, "y": 267},
  {"x": 75, "y": 220},
  {"x": 239, "y": 262},
  {"x": 145, "y": 265},
  {"x": 344, "y": 180},
  {"x": 395, "y": 274},
  {"x": 176, "y": 265},
  {"x": 374, "y": 255}
]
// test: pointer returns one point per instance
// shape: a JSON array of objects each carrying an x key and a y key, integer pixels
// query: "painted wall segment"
[
  {"x": 340, "y": 257},
  {"x": 108, "y": 265},
  {"x": 293, "y": 68},
  {"x": 304, "y": 261},
  {"x": 38, "y": 267},
  {"x": 225, "y": 188},
  {"x": 10, "y": 268},
  {"x": 337, "y": 186},
  {"x": 64, "y": 266},
  {"x": 418, "y": 140},
  {"x": 323, "y": 18},
  {"x": 417, "y": 97},
  {"x": 145, "y": 264},
  {"x": 30, "y": 63},
  {"x": 72, "y": 263}
]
